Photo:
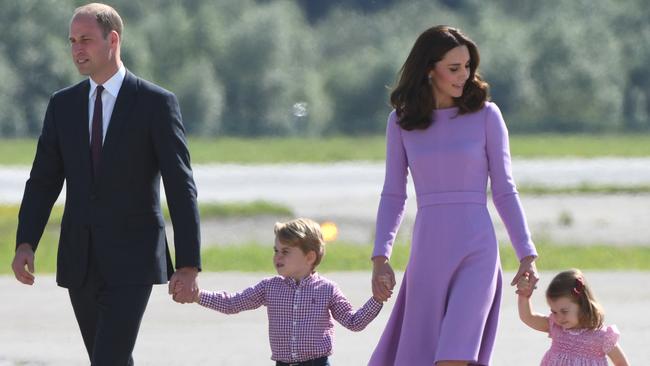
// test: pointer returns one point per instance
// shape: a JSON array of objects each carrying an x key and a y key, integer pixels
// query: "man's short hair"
[{"x": 107, "y": 18}]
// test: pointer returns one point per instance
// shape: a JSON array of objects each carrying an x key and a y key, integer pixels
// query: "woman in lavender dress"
[{"x": 451, "y": 139}]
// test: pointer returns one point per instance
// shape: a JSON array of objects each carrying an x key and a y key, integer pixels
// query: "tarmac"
[{"x": 37, "y": 326}]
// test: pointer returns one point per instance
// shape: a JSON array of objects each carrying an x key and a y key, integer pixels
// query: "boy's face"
[{"x": 292, "y": 262}]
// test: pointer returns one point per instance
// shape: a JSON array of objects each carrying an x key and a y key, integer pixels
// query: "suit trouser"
[{"x": 108, "y": 316}]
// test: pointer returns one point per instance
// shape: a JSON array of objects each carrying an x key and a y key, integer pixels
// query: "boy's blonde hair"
[
  {"x": 303, "y": 233},
  {"x": 572, "y": 284}
]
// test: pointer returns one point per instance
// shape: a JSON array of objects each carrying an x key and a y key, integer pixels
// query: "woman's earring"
[{"x": 430, "y": 79}]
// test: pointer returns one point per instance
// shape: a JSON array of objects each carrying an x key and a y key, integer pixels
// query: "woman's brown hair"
[
  {"x": 572, "y": 284},
  {"x": 413, "y": 98}
]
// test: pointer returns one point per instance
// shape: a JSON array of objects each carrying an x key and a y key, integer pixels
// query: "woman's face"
[{"x": 449, "y": 75}]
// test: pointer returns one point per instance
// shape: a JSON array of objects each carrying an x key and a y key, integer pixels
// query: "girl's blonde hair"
[
  {"x": 572, "y": 284},
  {"x": 303, "y": 233}
]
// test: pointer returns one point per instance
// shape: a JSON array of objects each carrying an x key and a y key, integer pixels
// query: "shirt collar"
[
  {"x": 112, "y": 85},
  {"x": 304, "y": 282}
]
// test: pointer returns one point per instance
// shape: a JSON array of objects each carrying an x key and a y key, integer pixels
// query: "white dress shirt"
[{"x": 109, "y": 96}]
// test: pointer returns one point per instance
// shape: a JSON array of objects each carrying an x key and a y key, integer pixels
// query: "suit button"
[{"x": 93, "y": 197}]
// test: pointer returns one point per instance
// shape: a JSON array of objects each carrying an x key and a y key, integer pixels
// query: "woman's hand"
[
  {"x": 527, "y": 270},
  {"x": 383, "y": 279}
]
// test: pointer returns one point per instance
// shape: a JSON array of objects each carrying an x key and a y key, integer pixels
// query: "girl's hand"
[
  {"x": 524, "y": 287},
  {"x": 527, "y": 269},
  {"x": 383, "y": 279}
]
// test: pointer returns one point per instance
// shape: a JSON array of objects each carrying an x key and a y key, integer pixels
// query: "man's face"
[{"x": 92, "y": 54}]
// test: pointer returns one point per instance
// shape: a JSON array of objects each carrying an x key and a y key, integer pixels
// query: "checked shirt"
[{"x": 300, "y": 314}]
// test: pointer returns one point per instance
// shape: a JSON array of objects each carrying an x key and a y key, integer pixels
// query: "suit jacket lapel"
[
  {"x": 80, "y": 117},
  {"x": 119, "y": 117}
]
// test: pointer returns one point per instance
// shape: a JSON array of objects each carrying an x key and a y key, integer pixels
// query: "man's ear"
[{"x": 114, "y": 38}]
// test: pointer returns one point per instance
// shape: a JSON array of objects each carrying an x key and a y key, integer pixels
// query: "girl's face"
[
  {"x": 566, "y": 311},
  {"x": 449, "y": 75},
  {"x": 292, "y": 262}
]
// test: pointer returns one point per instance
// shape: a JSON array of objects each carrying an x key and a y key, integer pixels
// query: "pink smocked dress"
[
  {"x": 579, "y": 347},
  {"x": 448, "y": 303}
]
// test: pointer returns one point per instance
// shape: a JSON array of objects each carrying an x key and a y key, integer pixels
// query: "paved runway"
[{"x": 37, "y": 326}]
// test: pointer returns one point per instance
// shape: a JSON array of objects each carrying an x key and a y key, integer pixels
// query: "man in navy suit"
[{"x": 111, "y": 138}]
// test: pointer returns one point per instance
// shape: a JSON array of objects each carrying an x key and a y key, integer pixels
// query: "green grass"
[
  {"x": 17, "y": 151},
  {"x": 287, "y": 150},
  {"x": 9, "y": 213},
  {"x": 46, "y": 254},
  {"x": 254, "y": 208},
  {"x": 583, "y": 146},
  {"x": 370, "y": 148},
  {"x": 583, "y": 189},
  {"x": 355, "y": 257}
]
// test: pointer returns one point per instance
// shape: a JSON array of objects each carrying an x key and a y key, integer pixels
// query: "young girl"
[{"x": 575, "y": 324}]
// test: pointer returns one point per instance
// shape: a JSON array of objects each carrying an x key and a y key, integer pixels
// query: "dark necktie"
[{"x": 97, "y": 131}]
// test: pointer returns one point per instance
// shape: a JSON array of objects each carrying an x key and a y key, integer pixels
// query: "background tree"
[{"x": 311, "y": 68}]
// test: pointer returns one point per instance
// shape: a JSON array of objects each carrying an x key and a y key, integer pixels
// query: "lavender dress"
[{"x": 448, "y": 304}]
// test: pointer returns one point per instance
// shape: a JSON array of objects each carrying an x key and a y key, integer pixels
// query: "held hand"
[
  {"x": 24, "y": 257},
  {"x": 183, "y": 285},
  {"x": 383, "y": 279},
  {"x": 527, "y": 270},
  {"x": 524, "y": 287},
  {"x": 178, "y": 288}
]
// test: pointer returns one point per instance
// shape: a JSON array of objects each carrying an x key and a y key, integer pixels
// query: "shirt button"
[
  {"x": 294, "y": 323},
  {"x": 295, "y": 307}
]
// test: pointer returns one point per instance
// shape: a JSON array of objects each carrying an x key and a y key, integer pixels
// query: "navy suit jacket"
[{"x": 118, "y": 212}]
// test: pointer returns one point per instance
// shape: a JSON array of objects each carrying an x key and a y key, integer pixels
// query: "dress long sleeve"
[
  {"x": 393, "y": 195},
  {"x": 504, "y": 191}
]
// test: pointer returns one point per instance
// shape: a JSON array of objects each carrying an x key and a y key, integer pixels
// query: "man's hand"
[
  {"x": 183, "y": 285},
  {"x": 24, "y": 257}
]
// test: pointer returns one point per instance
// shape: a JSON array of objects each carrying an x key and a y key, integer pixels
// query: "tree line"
[{"x": 282, "y": 68}]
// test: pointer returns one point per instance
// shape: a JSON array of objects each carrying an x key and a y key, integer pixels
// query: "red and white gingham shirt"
[{"x": 300, "y": 324}]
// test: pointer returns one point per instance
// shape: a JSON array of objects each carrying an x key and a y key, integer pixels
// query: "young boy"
[{"x": 300, "y": 303}]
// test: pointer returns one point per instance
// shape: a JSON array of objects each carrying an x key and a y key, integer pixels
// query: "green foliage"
[{"x": 297, "y": 68}]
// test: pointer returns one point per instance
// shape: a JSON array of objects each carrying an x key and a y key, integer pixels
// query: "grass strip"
[
  {"x": 539, "y": 190},
  {"x": 367, "y": 148},
  {"x": 355, "y": 257}
]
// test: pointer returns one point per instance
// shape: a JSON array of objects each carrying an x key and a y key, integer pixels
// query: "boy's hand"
[{"x": 197, "y": 297}]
